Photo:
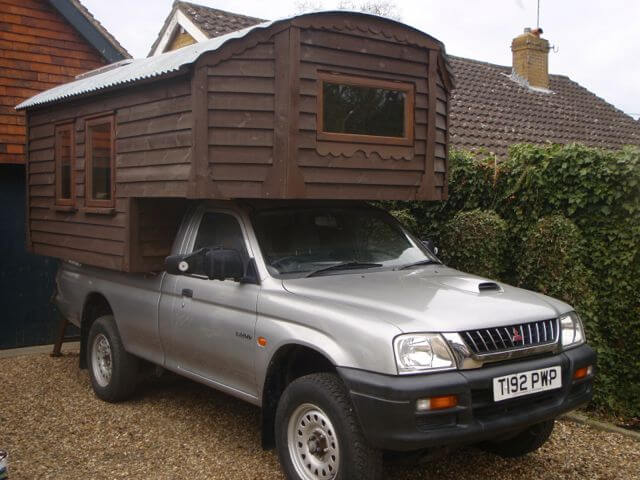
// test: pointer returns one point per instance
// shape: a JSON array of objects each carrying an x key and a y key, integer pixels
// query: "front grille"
[{"x": 513, "y": 337}]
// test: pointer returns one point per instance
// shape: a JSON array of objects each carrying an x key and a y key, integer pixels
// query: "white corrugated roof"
[
  {"x": 130, "y": 71},
  {"x": 135, "y": 70}
]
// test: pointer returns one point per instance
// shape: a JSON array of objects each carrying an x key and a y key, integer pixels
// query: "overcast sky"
[{"x": 597, "y": 41}]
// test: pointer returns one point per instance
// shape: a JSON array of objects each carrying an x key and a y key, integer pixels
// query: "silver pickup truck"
[{"x": 347, "y": 331}]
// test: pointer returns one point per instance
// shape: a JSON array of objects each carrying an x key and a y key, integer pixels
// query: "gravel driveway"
[{"x": 53, "y": 427}]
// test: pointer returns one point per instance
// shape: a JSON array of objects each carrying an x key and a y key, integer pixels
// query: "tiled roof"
[
  {"x": 491, "y": 111},
  {"x": 95, "y": 33},
  {"x": 214, "y": 22}
]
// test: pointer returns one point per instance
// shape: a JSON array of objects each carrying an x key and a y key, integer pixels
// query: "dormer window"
[{"x": 365, "y": 110}]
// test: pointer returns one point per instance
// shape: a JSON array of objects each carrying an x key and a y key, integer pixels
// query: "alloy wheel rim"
[
  {"x": 101, "y": 360},
  {"x": 313, "y": 443}
]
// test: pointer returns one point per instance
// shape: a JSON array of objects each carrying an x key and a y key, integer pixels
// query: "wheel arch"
[
  {"x": 95, "y": 306},
  {"x": 289, "y": 362}
]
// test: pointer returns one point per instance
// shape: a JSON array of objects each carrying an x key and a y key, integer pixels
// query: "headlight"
[
  {"x": 571, "y": 330},
  {"x": 420, "y": 352}
]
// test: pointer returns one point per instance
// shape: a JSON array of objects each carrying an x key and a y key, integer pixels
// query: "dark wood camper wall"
[
  {"x": 262, "y": 111},
  {"x": 241, "y": 122},
  {"x": 241, "y": 101},
  {"x": 153, "y": 155}
]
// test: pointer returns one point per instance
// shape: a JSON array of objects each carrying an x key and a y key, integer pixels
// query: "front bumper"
[{"x": 386, "y": 405}]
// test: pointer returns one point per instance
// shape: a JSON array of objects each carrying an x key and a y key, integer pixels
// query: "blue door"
[{"x": 26, "y": 281}]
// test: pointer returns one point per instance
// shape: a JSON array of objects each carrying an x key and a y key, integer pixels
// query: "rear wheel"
[
  {"x": 318, "y": 436},
  {"x": 113, "y": 371},
  {"x": 524, "y": 442}
]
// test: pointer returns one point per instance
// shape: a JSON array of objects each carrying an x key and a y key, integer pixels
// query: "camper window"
[
  {"x": 365, "y": 110},
  {"x": 99, "y": 162},
  {"x": 65, "y": 177}
]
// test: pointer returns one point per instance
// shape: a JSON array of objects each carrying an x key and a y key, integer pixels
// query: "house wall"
[
  {"x": 39, "y": 49},
  {"x": 153, "y": 155},
  {"x": 182, "y": 39}
]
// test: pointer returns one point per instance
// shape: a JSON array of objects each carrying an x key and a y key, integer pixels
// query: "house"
[
  {"x": 495, "y": 106},
  {"x": 43, "y": 43},
  {"x": 492, "y": 106},
  {"x": 189, "y": 23},
  {"x": 326, "y": 105}
]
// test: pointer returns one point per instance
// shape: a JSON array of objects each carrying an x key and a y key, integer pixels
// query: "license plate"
[{"x": 526, "y": 383}]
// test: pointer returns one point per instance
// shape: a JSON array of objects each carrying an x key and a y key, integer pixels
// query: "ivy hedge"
[
  {"x": 572, "y": 216},
  {"x": 482, "y": 234}
]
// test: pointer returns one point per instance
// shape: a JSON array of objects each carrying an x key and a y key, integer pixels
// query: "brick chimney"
[{"x": 531, "y": 58}]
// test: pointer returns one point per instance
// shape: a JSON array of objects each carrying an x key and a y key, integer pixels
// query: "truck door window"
[{"x": 220, "y": 230}]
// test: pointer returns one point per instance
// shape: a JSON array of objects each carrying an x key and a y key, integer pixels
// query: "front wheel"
[
  {"x": 112, "y": 370},
  {"x": 318, "y": 436}
]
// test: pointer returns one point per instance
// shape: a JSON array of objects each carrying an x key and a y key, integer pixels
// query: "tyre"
[
  {"x": 113, "y": 371},
  {"x": 524, "y": 442},
  {"x": 318, "y": 435}
]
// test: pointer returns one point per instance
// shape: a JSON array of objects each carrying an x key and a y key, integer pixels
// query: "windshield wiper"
[
  {"x": 421, "y": 262},
  {"x": 344, "y": 266}
]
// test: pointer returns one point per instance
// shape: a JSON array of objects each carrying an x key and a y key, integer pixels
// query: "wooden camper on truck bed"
[{"x": 329, "y": 105}]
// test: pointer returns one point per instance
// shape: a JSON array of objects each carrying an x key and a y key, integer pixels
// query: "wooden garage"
[{"x": 329, "y": 105}]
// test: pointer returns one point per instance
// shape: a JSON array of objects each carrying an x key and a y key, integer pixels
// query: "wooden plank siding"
[
  {"x": 250, "y": 112},
  {"x": 385, "y": 172},
  {"x": 39, "y": 49},
  {"x": 240, "y": 116},
  {"x": 240, "y": 122},
  {"x": 152, "y": 159},
  {"x": 151, "y": 232}
]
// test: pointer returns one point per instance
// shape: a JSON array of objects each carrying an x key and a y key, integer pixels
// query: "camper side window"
[
  {"x": 99, "y": 167},
  {"x": 365, "y": 110},
  {"x": 65, "y": 178}
]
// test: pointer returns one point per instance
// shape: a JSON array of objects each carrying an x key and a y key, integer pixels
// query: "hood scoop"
[
  {"x": 488, "y": 286},
  {"x": 470, "y": 284}
]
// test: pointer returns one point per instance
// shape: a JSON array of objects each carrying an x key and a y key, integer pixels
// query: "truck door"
[{"x": 207, "y": 326}]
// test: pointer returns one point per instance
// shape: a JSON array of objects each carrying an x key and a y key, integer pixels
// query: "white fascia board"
[{"x": 178, "y": 20}]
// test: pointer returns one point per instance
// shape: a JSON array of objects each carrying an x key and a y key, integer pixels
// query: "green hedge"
[
  {"x": 592, "y": 197},
  {"x": 551, "y": 261},
  {"x": 475, "y": 240}
]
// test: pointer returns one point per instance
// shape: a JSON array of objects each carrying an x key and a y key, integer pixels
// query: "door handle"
[{"x": 187, "y": 292}]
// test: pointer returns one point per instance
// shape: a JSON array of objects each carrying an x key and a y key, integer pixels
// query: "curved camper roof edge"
[{"x": 132, "y": 71}]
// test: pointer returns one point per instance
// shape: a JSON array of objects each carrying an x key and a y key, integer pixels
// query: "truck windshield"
[{"x": 299, "y": 242}]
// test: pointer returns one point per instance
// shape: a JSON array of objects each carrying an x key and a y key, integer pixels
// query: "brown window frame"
[
  {"x": 409, "y": 110},
  {"x": 58, "y": 164},
  {"x": 88, "y": 164}
]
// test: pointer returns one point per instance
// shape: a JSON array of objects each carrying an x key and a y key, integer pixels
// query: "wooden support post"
[{"x": 62, "y": 327}]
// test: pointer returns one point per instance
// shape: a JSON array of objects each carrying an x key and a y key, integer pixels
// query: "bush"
[
  {"x": 471, "y": 186},
  {"x": 550, "y": 261},
  {"x": 599, "y": 192},
  {"x": 475, "y": 242}
]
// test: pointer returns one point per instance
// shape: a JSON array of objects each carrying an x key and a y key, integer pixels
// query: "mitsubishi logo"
[{"x": 517, "y": 337}]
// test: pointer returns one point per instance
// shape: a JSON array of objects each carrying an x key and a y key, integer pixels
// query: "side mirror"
[
  {"x": 223, "y": 263},
  {"x": 430, "y": 246},
  {"x": 214, "y": 263}
]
